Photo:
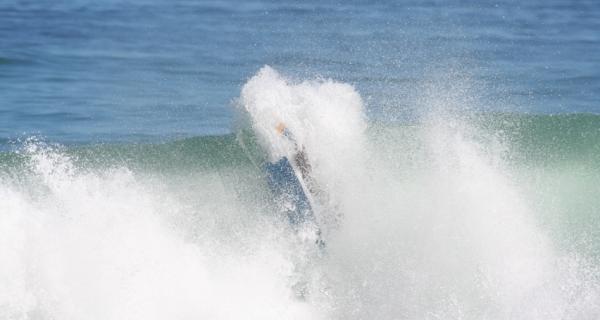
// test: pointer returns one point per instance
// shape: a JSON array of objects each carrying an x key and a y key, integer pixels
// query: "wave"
[{"x": 452, "y": 217}]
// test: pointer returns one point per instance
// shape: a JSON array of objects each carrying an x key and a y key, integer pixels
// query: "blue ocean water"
[
  {"x": 104, "y": 71},
  {"x": 451, "y": 148}
]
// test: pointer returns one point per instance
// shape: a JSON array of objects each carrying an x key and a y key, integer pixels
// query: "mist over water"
[{"x": 434, "y": 220}]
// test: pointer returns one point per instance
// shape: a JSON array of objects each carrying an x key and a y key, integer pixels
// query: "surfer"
[
  {"x": 289, "y": 177},
  {"x": 292, "y": 183}
]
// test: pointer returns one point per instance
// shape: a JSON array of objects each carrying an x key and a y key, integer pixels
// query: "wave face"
[{"x": 454, "y": 216}]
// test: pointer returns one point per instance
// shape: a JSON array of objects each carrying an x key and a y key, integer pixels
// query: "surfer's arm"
[
  {"x": 303, "y": 164},
  {"x": 300, "y": 158}
]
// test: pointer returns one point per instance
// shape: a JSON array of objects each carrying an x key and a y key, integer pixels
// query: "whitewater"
[{"x": 452, "y": 216}]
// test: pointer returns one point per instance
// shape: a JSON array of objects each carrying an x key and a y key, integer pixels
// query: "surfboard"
[
  {"x": 280, "y": 163},
  {"x": 286, "y": 182}
]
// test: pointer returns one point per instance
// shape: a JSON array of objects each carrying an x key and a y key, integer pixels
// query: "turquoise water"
[{"x": 456, "y": 146}]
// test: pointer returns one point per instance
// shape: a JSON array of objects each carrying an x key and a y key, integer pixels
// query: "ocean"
[{"x": 456, "y": 146}]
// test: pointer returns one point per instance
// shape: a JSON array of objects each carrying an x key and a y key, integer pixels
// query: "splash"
[
  {"x": 104, "y": 246},
  {"x": 431, "y": 223},
  {"x": 327, "y": 120}
]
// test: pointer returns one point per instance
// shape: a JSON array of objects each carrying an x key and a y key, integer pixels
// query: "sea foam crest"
[{"x": 100, "y": 245}]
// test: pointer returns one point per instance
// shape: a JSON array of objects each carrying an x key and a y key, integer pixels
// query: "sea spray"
[
  {"x": 101, "y": 245},
  {"x": 326, "y": 119},
  {"x": 436, "y": 221}
]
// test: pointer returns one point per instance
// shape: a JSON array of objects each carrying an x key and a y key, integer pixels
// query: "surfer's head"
[{"x": 280, "y": 128}]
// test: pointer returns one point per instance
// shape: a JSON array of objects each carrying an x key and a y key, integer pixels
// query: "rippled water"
[{"x": 84, "y": 71}]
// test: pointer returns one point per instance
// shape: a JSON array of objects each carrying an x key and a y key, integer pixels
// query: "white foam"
[
  {"x": 325, "y": 117},
  {"x": 102, "y": 246},
  {"x": 431, "y": 229},
  {"x": 447, "y": 235}
]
